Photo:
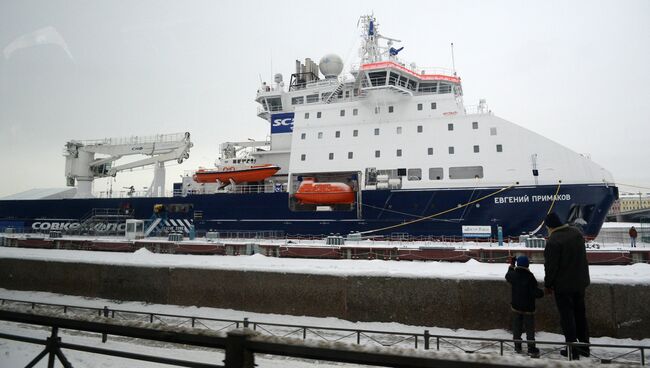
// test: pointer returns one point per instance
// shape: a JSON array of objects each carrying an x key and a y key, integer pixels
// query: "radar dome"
[{"x": 331, "y": 65}]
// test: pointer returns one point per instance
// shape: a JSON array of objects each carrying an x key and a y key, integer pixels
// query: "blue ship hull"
[{"x": 382, "y": 212}]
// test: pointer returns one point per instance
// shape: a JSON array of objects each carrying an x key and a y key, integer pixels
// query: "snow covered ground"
[
  {"x": 634, "y": 274},
  {"x": 15, "y": 354}
]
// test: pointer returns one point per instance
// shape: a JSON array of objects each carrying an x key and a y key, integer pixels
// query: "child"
[{"x": 524, "y": 292}]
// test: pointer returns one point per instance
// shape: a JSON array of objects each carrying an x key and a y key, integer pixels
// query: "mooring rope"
[
  {"x": 550, "y": 208},
  {"x": 439, "y": 213}
]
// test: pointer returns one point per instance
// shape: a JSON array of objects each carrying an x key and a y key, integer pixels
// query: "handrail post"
[
  {"x": 245, "y": 322},
  {"x": 358, "y": 337},
  {"x": 642, "y": 357},
  {"x": 104, "y": 336},
  {"x": 304, "y": 333},
  {"x": 237, "y": 356},
  {"x": 427, "y": 336}
]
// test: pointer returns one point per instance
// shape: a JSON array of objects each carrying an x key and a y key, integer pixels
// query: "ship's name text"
[{"x": 534, "y": 198}]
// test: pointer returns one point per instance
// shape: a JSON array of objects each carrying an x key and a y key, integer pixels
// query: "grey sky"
[{"x": 575, "y": 72}]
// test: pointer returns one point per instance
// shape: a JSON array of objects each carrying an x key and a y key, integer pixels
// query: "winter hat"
[
  {"x": 522, "y": 261},
  {"x": 552, "y": 220}
]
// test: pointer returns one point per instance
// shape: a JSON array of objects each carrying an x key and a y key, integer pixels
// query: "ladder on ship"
[{"x": 104, "y": 221}]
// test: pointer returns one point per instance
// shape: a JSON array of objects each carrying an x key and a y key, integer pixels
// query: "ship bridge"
[{"x": 393, "y": 75}]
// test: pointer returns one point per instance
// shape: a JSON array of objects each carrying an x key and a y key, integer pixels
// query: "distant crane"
[{"x": 82, "y": 167}]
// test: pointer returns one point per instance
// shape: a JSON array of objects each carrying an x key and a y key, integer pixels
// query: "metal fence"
[
  {"x": 424, "y": 340},
  {"x": 620, "y": 236}
]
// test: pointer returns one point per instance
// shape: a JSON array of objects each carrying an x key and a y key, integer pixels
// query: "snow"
[
  {"x": 14, "y": 354},
  {"x": 633, "y": 274},
  {"x": 617, "y": 225}
]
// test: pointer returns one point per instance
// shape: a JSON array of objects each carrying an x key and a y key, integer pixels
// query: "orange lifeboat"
[
  {"x": 238, "y": 174},
  {"x": 311, "y": 192}
]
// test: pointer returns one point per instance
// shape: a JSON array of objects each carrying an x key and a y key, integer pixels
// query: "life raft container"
[{"x": 311, "y": 192}]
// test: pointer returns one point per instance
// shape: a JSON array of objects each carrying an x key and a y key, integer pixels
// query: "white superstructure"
[{"x": 409, "y": 124}]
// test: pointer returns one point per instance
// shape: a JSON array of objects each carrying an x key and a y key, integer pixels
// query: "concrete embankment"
[{"x": 614, "y": 310}]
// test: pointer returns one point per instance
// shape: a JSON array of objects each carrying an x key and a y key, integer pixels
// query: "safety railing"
[
  {"x": 240, "y": 346},
  {"x": 603, "y": 353}
]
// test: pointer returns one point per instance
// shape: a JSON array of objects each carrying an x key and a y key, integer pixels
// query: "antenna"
[{"x": 453, "y": 62}]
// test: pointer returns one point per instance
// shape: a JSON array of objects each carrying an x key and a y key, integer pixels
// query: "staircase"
[{"x": 103, "y": 221}]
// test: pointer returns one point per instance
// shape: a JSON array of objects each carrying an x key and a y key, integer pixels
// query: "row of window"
[
  {"x": 398, "y": 130},
  {"x": 355, "y": 111},
  {"x": 435, "y": 173},
  {"x": 398, "y": 152}
]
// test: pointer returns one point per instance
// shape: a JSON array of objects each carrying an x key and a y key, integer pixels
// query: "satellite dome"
[{"x": 331, "y": 65}]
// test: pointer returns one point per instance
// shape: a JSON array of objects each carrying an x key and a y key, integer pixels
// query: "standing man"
[
  {"x": 567, "y": 277},
  {"x": 633, "y": 235}
]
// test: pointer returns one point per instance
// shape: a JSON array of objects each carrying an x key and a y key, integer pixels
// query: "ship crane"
[{"x": 82, "y": 167}]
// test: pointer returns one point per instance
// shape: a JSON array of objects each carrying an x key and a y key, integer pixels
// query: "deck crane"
[{"x": 82, "y": 167}]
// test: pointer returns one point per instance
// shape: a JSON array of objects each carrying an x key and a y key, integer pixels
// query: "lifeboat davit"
[
  {"x": 311, "y": 192},
  {"x": 238, "y": 174}
]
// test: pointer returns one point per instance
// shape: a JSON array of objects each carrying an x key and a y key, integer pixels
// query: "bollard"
[{"x": 104, "y": 336}]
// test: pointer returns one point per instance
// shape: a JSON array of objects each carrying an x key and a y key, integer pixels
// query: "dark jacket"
[
  {"x": 524, "y": 289},
  {"x": 633, "y": 233},
  {"x": 565, "y": 261}
]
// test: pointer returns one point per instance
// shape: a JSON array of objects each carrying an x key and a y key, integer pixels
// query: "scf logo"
[
  {"x": 285, "y": 122},
  {"x": 282, "y": 123}
]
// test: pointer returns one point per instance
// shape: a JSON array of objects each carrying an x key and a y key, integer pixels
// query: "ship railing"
[
  {"x": 158, "y": 138},
  {"x": 134, "y": 194},
  {"x": 418, "y": 70},
  {"x": 477, "y": 110}
]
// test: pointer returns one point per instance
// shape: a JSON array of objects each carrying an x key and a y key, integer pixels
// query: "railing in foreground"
[
  {"x": 603, "y": 353},
  {"x": 240, "y": 346}
]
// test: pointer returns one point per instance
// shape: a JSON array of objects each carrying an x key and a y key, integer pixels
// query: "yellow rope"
[
  {"x": 550, "y": 208},
  {"x": 439, "y": 213}
]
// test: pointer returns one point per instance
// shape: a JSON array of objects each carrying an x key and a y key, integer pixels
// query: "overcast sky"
[{"x": 574, "y": 71}]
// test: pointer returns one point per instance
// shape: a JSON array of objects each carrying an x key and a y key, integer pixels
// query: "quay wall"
[{"x": 614, "y": 310}]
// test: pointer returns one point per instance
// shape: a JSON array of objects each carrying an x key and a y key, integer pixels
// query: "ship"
[{"x": 388, "y": 148}]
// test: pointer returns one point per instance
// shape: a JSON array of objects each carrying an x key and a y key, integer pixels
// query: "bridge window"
[
  {"x": 476, "y": 149},
  {"x": 493, "y": 131},
  {"x": 450, "y": 126},
  {"x": 390, "y": 109},
  {"x": 275, "y": 104},
  {"x": 355, "y": 133},
  {"x": 350, "y": 154},
  {"x": 434, "y": 105},
  {"x": 420, "y": 128},
  {"x": 377, "y": 109},
  {"x": 355, "y": 112},
  {"x": 320, "y": 135},
  {"x": 303, "y": 157},
  {"x": 392, "y": 80},
  {"x": 331, "y": 155},
  {"x": 399, "y": 153},
  {"x": 399, "y": 130},
  {"x": 306, "y": 115},
  {"x": 319, "y": 115},
  {"x": 499, "y": 148},
  {"x": 419, "y": 107},
  {"x": 342, "y": 113},
  {"x": 377, "y": 153},
  {"x": 347, "y": 94},
  {"x": 376, "y": 131},
  {"x": 377, "y": 78},
  {"x": 428, "y": 87},
  {"x": 312, "y": 98},
  {"x": 298, "y": 100},
  {"x": 435, "y": 173},
  {"x": 414, "y": 174},
  {"x": 451, "y": 150},
  {"x": 337, "y": 134},
  {"x": 412, "y": 85},
  {"x": 303, "y": 136},
  {"x": 444, "y": 88},
  {"x": 430, "y": 151},
  {"x": 475, "y": 125},
  {"x": 466, "y": 172}
]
